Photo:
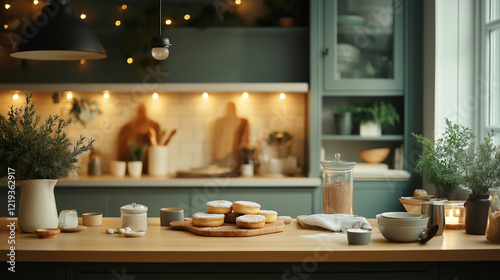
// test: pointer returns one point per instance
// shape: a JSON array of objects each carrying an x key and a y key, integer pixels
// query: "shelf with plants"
[
  {"x": 342, "y": 76},
  {"x": 333, "y": 109}
]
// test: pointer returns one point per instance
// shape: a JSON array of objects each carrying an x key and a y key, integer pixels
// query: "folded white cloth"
[{"x": 333, "y": 222}]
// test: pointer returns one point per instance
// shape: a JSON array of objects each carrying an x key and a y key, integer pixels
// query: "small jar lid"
[
  {"x": 134, "y": 208},
  {"x": 338, "y": 164}
]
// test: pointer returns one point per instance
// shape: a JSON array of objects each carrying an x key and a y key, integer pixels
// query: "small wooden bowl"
[
  {"x": 374, "y": 155},
  {"x": 47, "y": 232}
]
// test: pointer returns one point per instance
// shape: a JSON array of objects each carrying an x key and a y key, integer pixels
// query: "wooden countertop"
[{"x": 294, "y": 244}]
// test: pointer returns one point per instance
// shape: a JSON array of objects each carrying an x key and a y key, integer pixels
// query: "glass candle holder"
[{"x": 454, "y": 213}]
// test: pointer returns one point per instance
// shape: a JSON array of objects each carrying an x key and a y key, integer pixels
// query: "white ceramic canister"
[
  {"x": 158, "y": 160},
  {"x": 134, "y": 216}
]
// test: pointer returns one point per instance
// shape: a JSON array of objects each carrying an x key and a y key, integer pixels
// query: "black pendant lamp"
[
  {"x": 57, "y": 35},
  {"x": 160, "y": 44}
]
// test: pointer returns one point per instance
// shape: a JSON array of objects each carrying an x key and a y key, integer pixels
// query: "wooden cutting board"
[
  {"x": 230, "y": 135},
  {"x": 228, "y": 230},
  {"x": 137, "y": 129}
]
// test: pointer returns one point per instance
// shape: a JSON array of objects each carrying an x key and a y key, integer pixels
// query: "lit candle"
[
  {"x": 454, "y": 217},
  {"x": 450, "y": 219}
]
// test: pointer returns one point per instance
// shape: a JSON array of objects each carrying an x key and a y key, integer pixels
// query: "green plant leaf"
[{"x": 37, "y": 151}]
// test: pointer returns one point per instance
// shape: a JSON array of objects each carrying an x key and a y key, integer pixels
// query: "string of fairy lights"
[
  {"x": 14, "y": 23},
  {"x": 118, "y": 21}
]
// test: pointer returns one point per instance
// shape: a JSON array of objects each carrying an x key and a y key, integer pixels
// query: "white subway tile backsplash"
[{"x": 193, "y": 116}]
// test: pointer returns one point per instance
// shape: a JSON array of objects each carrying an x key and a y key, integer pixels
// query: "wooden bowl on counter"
[
  {"x": 374, "y": 155},
  {"x": 47, "y": 232}
]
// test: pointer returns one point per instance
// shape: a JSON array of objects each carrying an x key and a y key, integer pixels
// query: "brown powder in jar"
[
  {"x": 337, "y": 198},
  {"x": 493, "y": 229}
]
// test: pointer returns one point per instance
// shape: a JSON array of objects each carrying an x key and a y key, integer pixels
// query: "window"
[{"x": 489, "y": 67}]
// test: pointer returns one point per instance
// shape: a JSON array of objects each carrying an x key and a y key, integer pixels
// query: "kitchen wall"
[{"x": 192, "y": 115}]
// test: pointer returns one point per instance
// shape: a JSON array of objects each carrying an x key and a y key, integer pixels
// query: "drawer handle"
[{"x": 326, "y": 51}]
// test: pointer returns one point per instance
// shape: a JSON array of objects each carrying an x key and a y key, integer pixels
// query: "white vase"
[
  {"x": 37, "y": 207},
  {"x": 134, "y": 168},
  {"x": 370, "y": 129}
]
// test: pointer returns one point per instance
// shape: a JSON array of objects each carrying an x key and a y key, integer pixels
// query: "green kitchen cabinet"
[
  {"x": 363, "y": 52},
  {"x": 289, "y": 202}
]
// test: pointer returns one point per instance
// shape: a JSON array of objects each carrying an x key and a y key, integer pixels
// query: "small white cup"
[
  {"x": 118, "y": 168},
  {"x": 134, "y": 168}
]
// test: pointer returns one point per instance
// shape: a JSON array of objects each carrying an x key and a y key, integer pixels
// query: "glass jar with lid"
[
  {"x": 493, "y": 227},
  {"x": 454, "y": 214},
  {"x": 337, "y": 186},
  {"x": 134, "y": 216}
]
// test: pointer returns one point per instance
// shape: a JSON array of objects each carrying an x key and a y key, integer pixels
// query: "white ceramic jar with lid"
[{"x": 134, "y": 216}]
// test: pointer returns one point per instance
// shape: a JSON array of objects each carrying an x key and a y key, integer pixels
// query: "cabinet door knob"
[{"x": 326, "y": 51}]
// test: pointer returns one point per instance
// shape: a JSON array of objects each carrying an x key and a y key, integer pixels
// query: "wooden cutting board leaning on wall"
[
  {"x": 137, "y": 129},
  {"x": 231, "y": 135}
]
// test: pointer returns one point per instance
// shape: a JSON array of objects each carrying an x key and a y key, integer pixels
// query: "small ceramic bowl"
[
  {"x": 138, "y": 233},
  {"x": 92, "y": 219},
  {"x": 402, "y": 230},
  {"x": 401, "y": 215},
  {"x": 47, "y": 232},
  {"x": 403, "y": 222},
  {"x": 358, "y": 236}
]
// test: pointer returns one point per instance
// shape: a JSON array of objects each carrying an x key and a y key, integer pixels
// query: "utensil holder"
[{"x": 158, "y": 160}]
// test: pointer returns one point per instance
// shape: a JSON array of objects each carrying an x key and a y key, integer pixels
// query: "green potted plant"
[
  {"x": 278, "y": 145},
  {"x": 437, "y": 164},
  {"x": 84, "y": 110},
  {"x": 343, "y": 116},
  {"x": 480, "y": 165},
  {"x": 372, "y": 116},
  {"x": 36, "y": 156},
  {"x": 136, "y": 156}
]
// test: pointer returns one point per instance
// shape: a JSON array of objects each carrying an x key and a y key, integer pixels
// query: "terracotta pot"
[
  {"x": 37, "y": 208},
  {"x": 286, "y": 21},
  {"x": 476, "y": 213}
]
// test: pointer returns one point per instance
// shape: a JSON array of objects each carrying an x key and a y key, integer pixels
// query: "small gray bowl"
[{"x": 358, "y": 236}]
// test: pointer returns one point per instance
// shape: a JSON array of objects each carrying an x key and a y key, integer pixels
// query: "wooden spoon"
[
  {"x": 170, "y": 136},
  {"x": 163, "y": 136},
  {"x": 152, "y": 137}
]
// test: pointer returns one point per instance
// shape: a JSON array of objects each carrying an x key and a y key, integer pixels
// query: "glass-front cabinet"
[
  {"x": 366, "y": 59},
  {"x": 363, "y": 45}
]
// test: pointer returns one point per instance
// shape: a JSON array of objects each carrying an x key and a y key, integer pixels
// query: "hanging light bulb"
[
  {"x": 159, "y": 47},
  {"x": 160, "y": 44}
]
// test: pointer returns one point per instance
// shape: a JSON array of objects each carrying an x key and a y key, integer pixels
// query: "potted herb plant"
[
  {"x": 372, "y": 116},
  {"x": 37, "y": 155},
  {"x": 136, "y": 156},
  {"x": 480, "y": 165},
  {"x": 343, "y": 116},
  {"x": 437, "y": 164},
  {"x": 84, "y": 110}
]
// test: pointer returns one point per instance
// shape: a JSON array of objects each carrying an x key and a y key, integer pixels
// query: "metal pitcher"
[{"x": 435, "y": 211}]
